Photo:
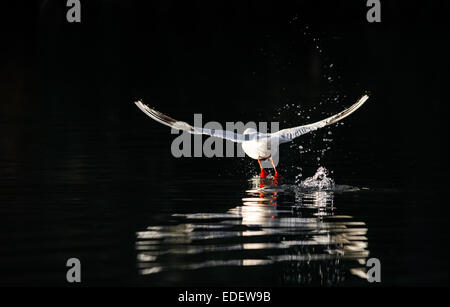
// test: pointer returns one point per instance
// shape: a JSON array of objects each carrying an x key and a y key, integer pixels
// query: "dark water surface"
[{"x": 132, "y": 219}]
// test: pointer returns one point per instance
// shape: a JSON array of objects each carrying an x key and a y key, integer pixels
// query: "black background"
[
  {"x": 227, "y": 60},
  {"x": 231, "y": 60}
]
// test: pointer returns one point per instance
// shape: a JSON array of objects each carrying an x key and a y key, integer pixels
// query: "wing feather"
[
  {"x": 287, "y": 135},
  {"x": 180, "y": 125}
]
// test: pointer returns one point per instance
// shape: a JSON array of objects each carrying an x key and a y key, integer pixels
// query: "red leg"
[
  {"x": 263, "y": 173},
  {"x": 276, "y": 176}
]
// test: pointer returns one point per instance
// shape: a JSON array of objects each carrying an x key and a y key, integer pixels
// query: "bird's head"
[{"x": 249, "y": 131}]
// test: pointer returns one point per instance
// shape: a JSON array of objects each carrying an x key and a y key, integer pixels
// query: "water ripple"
[{"x": 275, "y": 224}]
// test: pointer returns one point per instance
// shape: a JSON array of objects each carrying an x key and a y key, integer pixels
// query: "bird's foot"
[
  {"x": 277, "y": 176},
  {"x": 263, "y": 173}
]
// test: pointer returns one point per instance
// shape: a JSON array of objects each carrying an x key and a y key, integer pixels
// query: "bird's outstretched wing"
[
  {"x": 179, "y": 125},
  {"x": 287, "y": 135}
]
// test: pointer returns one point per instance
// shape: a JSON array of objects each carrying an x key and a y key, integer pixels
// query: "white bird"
[{"x": 259, "y": 146}]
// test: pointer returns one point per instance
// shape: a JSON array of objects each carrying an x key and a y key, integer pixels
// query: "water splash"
[{"x": 320, "y": 180}]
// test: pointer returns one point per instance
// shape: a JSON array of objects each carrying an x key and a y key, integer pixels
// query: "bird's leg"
[
  {"x": 263, "y": 173},
  {"x": 276, "y": 176}
]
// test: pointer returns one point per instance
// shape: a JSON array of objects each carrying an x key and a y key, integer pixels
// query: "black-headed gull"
[{"x": 258, "y": 146}]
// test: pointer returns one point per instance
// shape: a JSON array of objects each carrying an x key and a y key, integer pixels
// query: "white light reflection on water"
[{"x": 285, "y": 225}]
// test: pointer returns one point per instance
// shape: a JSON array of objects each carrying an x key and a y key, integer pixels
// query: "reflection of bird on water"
[
  {"x": 315, "y": 239},
  {"x": 293, "y": 231},
  {"x": 256, "y": 145}
]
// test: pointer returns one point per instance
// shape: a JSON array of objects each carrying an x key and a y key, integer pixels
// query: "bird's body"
[
  {"x": 262, "y": 147},
  {"x": 259, "y": 146}
]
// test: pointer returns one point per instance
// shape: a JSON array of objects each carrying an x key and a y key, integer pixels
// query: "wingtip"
[{"x": 364, "y": 98}]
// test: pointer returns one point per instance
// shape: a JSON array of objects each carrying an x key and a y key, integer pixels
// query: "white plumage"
[{"x": 256, "y": 145}]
